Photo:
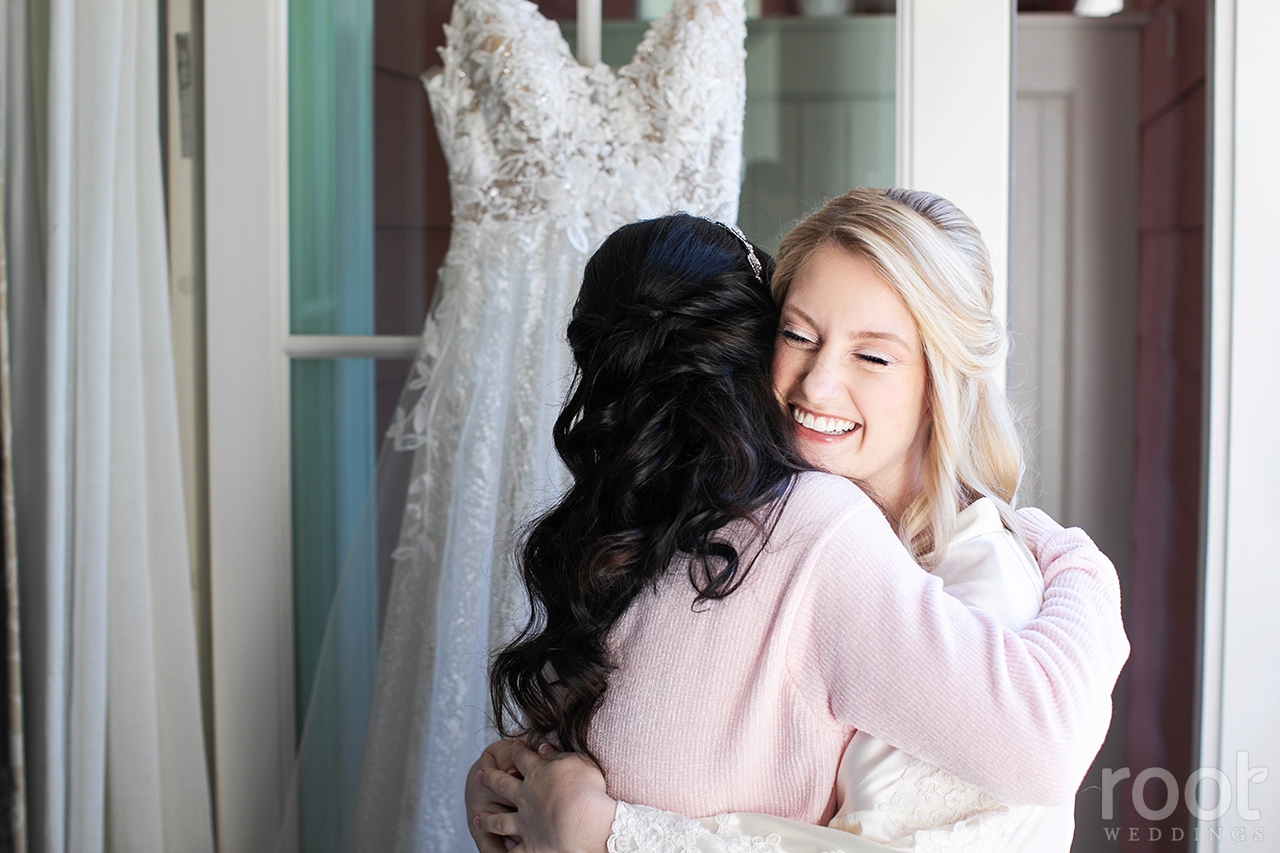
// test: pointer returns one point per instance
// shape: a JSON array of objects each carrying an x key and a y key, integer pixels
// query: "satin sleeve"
[{"x": 874, "y": 642}]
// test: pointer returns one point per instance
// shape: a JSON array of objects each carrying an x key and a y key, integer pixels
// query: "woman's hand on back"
[
  {"x": 560, "y": 803},
  {"x": 483, "y": 801}
]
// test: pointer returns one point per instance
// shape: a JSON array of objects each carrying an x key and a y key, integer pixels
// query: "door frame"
[
  {"x": 250, "y": 551},
  {"x": 1238, "y": 631}
]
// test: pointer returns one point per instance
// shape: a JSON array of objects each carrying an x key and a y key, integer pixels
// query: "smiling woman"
[
  {"x": 847, "y": 348},
  {"x": 887, "y": 308}
]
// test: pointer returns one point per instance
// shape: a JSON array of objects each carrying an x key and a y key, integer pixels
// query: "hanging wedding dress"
[{"x": 546, "y": 157}]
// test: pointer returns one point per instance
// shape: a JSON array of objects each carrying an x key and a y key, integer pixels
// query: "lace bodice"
[{"x": 531, "y": 135}]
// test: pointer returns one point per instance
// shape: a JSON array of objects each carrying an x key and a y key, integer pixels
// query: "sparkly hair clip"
[{"x": 746, "y": 244}]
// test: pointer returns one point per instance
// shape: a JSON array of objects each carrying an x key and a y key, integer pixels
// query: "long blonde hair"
[{"x": 932, "y": 255}]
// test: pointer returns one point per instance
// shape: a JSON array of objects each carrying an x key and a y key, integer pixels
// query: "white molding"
[
  {"x": 1240, "y": 699},
  {"x": 1066, "y": 20},
  {"x": 904, "y": 96},
  {"x": 247, "y": 238},
  {"x": 954, "y": 112},
  {"x": 398, "y": 347},
  {"x": 1220, "y": 126}
]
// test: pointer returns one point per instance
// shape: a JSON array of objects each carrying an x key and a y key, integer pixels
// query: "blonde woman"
[{"x": 886, "y": 359}]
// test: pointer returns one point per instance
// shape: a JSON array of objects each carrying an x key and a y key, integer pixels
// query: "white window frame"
[
  {"x": 954, "y": 102},
  {"x": 1239, "y": 634},
  {"x": 247, "y": 280}
]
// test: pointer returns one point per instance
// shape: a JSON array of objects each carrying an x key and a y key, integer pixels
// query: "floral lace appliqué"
[{"x": 940, "y": 813}]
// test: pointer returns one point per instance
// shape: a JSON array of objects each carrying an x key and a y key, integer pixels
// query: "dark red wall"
[{"x": 1161, "y": 610}]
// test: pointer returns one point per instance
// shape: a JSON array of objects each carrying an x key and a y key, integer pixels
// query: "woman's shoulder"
[
  {"x": 817, "y": 505},
  {"x": 821, "y": 488}
]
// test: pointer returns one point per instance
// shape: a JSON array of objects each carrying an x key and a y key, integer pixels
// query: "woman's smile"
[{"x": 826, "y": 427}]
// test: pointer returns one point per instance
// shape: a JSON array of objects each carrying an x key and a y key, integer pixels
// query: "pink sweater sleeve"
[{"x": 875, "y": 642}]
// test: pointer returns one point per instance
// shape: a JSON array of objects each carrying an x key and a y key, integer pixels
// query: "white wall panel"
[{"x": 1241, "y": 634}]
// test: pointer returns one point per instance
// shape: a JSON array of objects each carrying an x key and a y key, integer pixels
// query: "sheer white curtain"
[{"x": 114, "y": 710}]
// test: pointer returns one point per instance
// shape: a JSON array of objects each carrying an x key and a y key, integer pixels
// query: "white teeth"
[{"x": 822, "y": 424}]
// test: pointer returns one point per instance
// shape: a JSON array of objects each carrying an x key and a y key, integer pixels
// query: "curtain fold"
[
  {"x": 111, "y": 675},
  {"x": 23, "y": 237},
  {"x": 14, "y": 805}
]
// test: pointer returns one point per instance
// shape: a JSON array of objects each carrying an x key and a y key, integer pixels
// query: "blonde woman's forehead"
[{"x": 846, "y": 295}]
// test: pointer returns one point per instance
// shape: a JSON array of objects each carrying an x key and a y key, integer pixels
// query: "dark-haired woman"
[{"x": 747, "y": 617}]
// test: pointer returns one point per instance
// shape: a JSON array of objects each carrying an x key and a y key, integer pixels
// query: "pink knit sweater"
[{"x": 746, "y": 704}]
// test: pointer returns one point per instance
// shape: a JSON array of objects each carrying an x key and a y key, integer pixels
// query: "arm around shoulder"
[{"x": 1021, "y": 715}]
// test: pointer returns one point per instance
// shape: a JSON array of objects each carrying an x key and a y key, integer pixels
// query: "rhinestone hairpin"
[{"x": 751, "y": 251}]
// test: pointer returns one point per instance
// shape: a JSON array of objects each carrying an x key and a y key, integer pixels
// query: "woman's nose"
[{"x": 820, "y": 382}]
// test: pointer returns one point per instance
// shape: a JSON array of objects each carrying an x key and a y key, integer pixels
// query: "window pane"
[
  {"x": 820, "y": 116},
  {"x": 331, "y": 167},
  {"x": 339, "y": 410}
]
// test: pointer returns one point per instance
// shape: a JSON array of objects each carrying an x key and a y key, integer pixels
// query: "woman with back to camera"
[{"x": 735, "y": 693}]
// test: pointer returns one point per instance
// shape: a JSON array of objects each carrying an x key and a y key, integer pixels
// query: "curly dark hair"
[{"x": 671, "y": 431}]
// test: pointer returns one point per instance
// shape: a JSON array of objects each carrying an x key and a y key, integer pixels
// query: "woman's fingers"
[
  {"x": 526, "y": 760},
  {"x": 503, "y": 784},
  {"x": 487, "y": 843},
  {"x": 498, "y": 754},
  {"x": 503, "y": 823}
]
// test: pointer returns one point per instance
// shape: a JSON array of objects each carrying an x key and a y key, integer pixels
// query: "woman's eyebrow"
[
  {"x": 879, "y": 336},
  {"x": 791, "y": 309}
]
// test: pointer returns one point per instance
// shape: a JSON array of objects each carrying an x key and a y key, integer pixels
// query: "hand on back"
[{"x": 555, "y": 802}]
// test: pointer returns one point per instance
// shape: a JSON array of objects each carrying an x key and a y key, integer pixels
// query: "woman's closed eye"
[
  {"x": 791, "y": 336},
  {"x": 873, "y": 358}
]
